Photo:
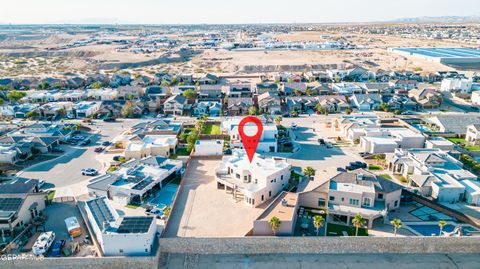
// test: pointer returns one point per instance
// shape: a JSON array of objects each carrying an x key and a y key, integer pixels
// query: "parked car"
[
  {"x": 40, "y": 184},
  {"x": 57, "y": 248},
  {"x": 106, "y": 143},
  {"x": 109, "y": 120},
  {"x": 358, "y": 164},
  {"x": 294, "y": 126},
  {"x": 98, "y": 150},
  {"x": 321, "y": 141},
  {"x": 117, "y": 158},
  {"x": 57, "y": 150},
  {"x": 89, "y": 172},
  {"x": 85, "y": 142},
  {"x": 340, "y": 169}
]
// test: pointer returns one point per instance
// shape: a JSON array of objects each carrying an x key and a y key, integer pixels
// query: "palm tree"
[
  {"x": 378, "y": 158},
  {"x": 309, "y": 171},
  {"x": 318, "y": 222},
  {"x": 441, "y": 223},
  {"x": 278, "y": 119},
  {"x": 167, "y": 211},
  {"x": 397, "y": 224},
  {"x": 358, "y": 222},
  {"x": 274, "y": 224}
]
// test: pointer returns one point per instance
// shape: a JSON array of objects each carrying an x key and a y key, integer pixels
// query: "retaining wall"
[
  {"x": 87, "y": 263},
  {"x": 306, "y": 245}
]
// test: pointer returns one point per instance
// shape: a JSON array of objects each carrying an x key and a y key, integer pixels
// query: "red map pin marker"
[{"x": 250, "y": 143}]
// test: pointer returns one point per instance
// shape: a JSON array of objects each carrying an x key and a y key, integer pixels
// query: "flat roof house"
[
  {"x": 84, "y": 109},
  {"x": 473, "y": 134},
  {"x": 433, "y": 172},
  {"x": 383, "y": 140},
  {"x": 268, "y": 139},
  {"x": 135, "y": 179},
  {"x": 141, "y": 146},
  {"x": 257, "y": 182},
  {"x": 120, "y": 236}
]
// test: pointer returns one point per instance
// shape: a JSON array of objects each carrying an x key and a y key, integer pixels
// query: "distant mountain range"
[{"x": 441, "y": 19}]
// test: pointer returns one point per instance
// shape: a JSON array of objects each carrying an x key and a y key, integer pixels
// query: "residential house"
[
  {"x": 239, "y": 106},
  {"x": 301, "y": 103},
  {"x": 333, "y": 103},
  {"x": 54, "y": 109},
  {"x": 155, "y": 96},
  {"x": 384, "y": 140},
  {"x": 475, "y": 98},
  {"x": 401, "y": 102},
  {"x": 426, "y": 98},
  {"x": 207, "y": 92},
  {"x": 210, "y": 108},
  {"x": 347, "y": 88},
  {"x": 351, "y": 126},
  {"x": 140, "y": 146},
  {"x": 102, "y": 94},
  {"x": 208, "y": 79},
  {"x": 366, "y": 102},
  {"x": 135, "y": 180},
  {"x": 293, "y": 88},
  {"x": 157, "y": 127},
  {"x": 268, "y": 139},
  {"x": 320, "y": 76},
  {"x": 238, "y": 90},
  {"x": 129, "y": 92},
  {"x": 186, "y": 79},
  {"x": 264, "y": 87},
  {"x": 361, "y": 192},
  {"x": 404, "y": 84},
  {"x": 473, "y": 134},
  {"x": 18, "y": 111},
  {"x": 462, "y": 85},
  {"x": 259, "y": 181},
  {"x": 317, "y": 88},
  {"x": 21, "y": 202},
  {"x": 8, "y": 154},
  {"x": 120, "y": 79},
  {"x": 164, "y": 78},
  {"x": 84, "y": 109},
  {"x": 452, "y": 123},
  {"x": 73, "y": 95},
  {"x": 378, "y": 88},
  {"x": 285, "y": 208},
  {"x": 432, "y": 172},
  {"x": 269, "y": 102},
  {"x": 176, "y": 105},
  {"x": 120, "y": 236}
]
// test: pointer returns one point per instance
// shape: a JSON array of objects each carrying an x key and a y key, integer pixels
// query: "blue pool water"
[
  {"x": 432, "y": 229},
  {"x": 165, "y": 196},
  {"x": 421, "y": 128}
]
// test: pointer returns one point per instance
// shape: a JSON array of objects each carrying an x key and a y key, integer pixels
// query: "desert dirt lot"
[{"x": 204, "y": 211}]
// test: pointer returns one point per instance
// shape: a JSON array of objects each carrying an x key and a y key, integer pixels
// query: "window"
[
  {"x": 269, "y": 193},
  {"x": 256, "y": 181},
  {"x": 395, "y": 204},
  {"x": 281, "y": 177},
  {"x": 237, "y": 176},
  {"x": 353, "y": 201},
  {"x": 332, "y": 198},
  {"x": 321, "y": 202},
  {"x": 262, "y": 197},
  {"x": 343, "y": 199},
  {"x": 380, "y": 196},
  {"x": 253, "y": 201},
  {"x": 366, "y": 202}
]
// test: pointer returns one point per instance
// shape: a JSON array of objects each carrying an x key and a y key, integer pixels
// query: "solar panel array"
[
  {"x": 444, "y": 52},
  {"x": 10, "y": 204},
  {"x": 142, "y": 184},
  {"x": 100, "y": 211},
  {"x": 135, "y": 225}
]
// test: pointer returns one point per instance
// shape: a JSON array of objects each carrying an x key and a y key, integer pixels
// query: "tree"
[
  {"x": 308, "y": 92},
  {"x": 348, "y": 111},
  {"x": 252, "y": 111},
  {"x": 32, "y": 114},
  {"x": 130, "y": 96},
  {"x": 378, "y": 158},
  {"x": 298, "y": 93},
  {"x": 278, "y": 119},
  {"x": 44, "y": 85},
  {"x": 274, "y": 224},
  {"x": 309, "y": 171},
  {"x": 384, "y": 106},
  {"x": 1, "y": 101},
  {"x": 358, "y": 222},
  {"x": 397, "y": 224},
  {"x": 15, "y": 95},
  {"x": 441, "y": 223},
  {"x": 127, "y": 110},
  {"x": 293, "y": 113},
  {"x": 3, "y": 88},
  {"x": 96, "y": 85},
  {"x": 190, "y": 94},
  {"x": 318, "y": 222},
  {"x": 167, "y": 211}
]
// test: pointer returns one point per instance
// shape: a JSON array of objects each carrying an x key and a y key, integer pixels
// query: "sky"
[{"x": 227, "y": 11}]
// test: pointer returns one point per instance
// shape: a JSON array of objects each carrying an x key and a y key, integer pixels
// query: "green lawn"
[
  {"x": 132, "y": 206},
  {"x": 375, "y": 167},
  {"x": 387, "y": 176},
  {"x": 50, "y": 196},
  {"x": 472, "y": 147},
  {"x": 182, "y": 152},
  {"x": 212, "y": 129},
  {"x": 456, "y": 140},
  {"x": 337, "y": 229}
]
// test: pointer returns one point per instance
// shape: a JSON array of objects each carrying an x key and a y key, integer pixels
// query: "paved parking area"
[{"x": 204, "y": 211}]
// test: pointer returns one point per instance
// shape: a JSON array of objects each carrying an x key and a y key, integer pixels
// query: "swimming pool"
[
  {"x": 165, "y": 196},
  {"x": 421, "y": 128},
  {"x": 433, "y": 229}
]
